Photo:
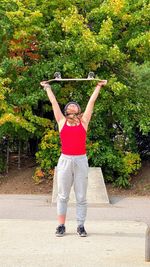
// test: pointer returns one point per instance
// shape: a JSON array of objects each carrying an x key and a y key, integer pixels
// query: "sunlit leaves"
[
  {"x": 17, "y": 121},
  {"x": 106, "y": 31},
  {"x": 115, "y": 55},
  {"x": 141, "y": 44},
  {"x": 116, "y": 6}
]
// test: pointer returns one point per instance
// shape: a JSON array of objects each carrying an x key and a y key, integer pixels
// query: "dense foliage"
[{"x": 109, "y": 37}]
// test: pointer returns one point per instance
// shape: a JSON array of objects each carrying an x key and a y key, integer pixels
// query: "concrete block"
[{"x": 96, "y": 193}]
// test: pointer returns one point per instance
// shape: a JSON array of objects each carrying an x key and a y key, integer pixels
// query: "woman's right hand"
[{"x": 45, "y": 84}]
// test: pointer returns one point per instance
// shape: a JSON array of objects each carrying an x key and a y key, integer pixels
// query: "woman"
[{"x": 72, "y": 166}]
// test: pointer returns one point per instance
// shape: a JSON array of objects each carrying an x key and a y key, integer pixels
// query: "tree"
[{"x": 109, "y": 37}]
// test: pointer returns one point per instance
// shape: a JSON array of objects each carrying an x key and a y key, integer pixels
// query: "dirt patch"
[
  {"x": 140, "y": 183},
  {"x": 21, "y": 182}
]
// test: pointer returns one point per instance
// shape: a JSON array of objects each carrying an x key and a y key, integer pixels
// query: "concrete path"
[
  {"x": 116, "y": 234},
  {"x": 26, "y": 243}
]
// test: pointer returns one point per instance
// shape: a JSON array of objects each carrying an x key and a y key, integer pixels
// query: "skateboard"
[{"x": 58, "y": 78}]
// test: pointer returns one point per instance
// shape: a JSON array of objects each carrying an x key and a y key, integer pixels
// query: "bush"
[
  {"x": 47, "y": 156},
  {"x": 117, "y": 166}
]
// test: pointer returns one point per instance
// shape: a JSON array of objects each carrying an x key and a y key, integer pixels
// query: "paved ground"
[
  {"x": 38, "y": 207},
  {"x": 116, "y": 234}
]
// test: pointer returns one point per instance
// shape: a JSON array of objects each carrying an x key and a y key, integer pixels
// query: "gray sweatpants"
[{"x": 72, "y": 170}]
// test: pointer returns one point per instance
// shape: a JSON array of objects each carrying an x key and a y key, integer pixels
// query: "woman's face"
[{"x": 73, "y": 114}]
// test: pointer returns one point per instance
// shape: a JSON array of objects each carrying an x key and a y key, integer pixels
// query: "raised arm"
[
  {"x": 56, "y": 109},
  {"x": 90, "y": 105}
]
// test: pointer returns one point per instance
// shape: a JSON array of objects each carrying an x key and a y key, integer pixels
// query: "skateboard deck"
[{"x": 58, "y": 78}]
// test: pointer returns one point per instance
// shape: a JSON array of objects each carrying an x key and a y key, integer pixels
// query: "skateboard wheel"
[
  {"x": 91, "y": 75},
  {"x": 57, "y": 75}
]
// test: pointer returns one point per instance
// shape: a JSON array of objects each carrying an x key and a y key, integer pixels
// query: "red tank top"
[{"x": 73, "y": 140}]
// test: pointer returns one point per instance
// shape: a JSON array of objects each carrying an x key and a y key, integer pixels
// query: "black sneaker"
[
  {"x": 60, "y": 230},
  {"x": 81, "y": 231}
]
